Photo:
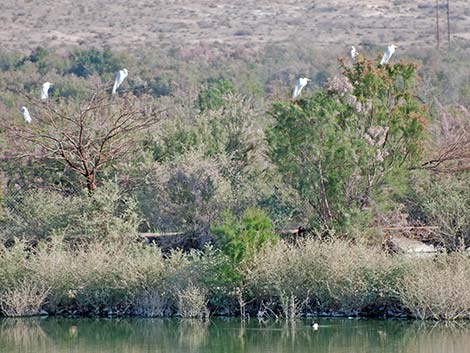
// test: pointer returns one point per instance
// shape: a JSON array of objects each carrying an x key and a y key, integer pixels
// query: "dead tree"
[
  {"x": 85, "y": 136},
  {"x": 451, "y": 151}
]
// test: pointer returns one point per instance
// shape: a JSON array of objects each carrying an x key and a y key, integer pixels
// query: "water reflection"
[{"x": 191, "y": 336}]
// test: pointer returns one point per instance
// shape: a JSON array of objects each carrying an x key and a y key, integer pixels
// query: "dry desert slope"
[{"x": 156, "y": 23}]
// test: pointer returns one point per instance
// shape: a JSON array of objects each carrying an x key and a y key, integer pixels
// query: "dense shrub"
[
  {"x": 211, "y": 98},
  {"x": 86, "y": 62},
  {"x": 184, "y": 195},
  {"x": 346, "y": 145},
  {"x": 43, "y": 214},
  {"x": 202, "y": 166},
  {"x": 438, "y": 289},
  {"x": 326, "y": 276},
  {"x": 241, "y": 240},
  {"x": 444, "y": 202}
]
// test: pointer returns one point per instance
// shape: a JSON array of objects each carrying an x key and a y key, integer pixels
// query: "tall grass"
[
  {"x": 283, "y": 280},
  {"x": 329, "y": 276}
]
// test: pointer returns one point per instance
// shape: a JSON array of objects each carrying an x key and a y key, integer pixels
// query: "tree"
[
  {"x": 345, "y": 144},
  {"x": 85, "y": 136}
]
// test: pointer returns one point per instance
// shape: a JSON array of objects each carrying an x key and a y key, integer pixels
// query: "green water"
[{"x": 171, "y": 336}]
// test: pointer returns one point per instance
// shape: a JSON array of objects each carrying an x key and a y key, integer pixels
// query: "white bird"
[
  {"x": 388, "y": 54},
  {"x": 299, "y": 85},
  {"x": 120, "y": 77},
  {"x": 45, "y": 90},
  {"x": 26, "y": 115},
  {"x": 315, "y": 326},
  {"x": 353, "y": 53}
]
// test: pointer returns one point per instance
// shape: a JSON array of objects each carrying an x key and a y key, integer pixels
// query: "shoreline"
[{"x": 285, "y": 281}]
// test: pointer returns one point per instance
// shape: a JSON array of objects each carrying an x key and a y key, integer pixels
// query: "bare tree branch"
[{"x": 87, "y": 136}]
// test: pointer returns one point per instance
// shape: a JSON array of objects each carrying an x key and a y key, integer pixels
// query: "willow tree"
[{"x": 84, "y": 136}]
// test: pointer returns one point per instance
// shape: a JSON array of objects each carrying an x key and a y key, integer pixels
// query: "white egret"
[
  {"x": 388, "y": 54},
  {"x": 353, "y": 53},
  {"x": 299, "y": 85},
  {"x": 45, "y": 90},
  {"x": 26, "y": 115},
  {"x": 120, "y": 77},
  {"x": 315, "y": 326}
]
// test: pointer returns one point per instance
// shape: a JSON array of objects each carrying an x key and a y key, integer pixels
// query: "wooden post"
[{"x": 437, "y": 24}]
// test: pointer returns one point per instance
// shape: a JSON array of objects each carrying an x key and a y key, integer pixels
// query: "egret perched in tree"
[
  {"x": 45, "y": 90},
  {"x": 299, "y": 85},
  {"x": 353, "y": 53},
  {"x": 120, "y": 77},
  {"x": 388, "y": 54},
  {"x": 26, "y": 116}
]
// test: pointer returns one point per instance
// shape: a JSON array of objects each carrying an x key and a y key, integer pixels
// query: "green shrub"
[
  {"x": 241, "y": 240},
  {"x": 160, "y": 86},
  {"x": 212, "y": 97},
  {"x": 86, "y": 62},
  {"x": 39, "y": 58},
  {"x": 13, "y": 267}
]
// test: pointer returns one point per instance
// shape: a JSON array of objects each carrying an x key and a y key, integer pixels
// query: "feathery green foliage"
[{"x": 340, "y": 147}]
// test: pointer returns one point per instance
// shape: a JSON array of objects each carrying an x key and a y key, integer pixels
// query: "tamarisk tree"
[
  {"x": 85, "y": 136},
  {"x": 351, "y": 141}
]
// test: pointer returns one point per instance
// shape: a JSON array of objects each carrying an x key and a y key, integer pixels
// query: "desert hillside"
[{"x": 156, "y": 23}]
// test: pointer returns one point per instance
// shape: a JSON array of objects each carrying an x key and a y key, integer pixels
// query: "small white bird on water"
[
  {"x": 388, "y": 54},
  {"x": 26, "y": 115},
  {"x": 120, "y": 77},
  {"x": 299, "y": 85},
  {"x": 353, "y": 53},
  {"x": 314, "y": 326},
  {"x": 45, "y": 90}
]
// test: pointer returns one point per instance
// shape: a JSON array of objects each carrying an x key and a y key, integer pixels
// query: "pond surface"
[{"x": 52, "y": 335}]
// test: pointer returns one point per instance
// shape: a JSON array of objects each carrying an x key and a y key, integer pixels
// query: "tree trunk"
[{"x": 90, "y": 182}]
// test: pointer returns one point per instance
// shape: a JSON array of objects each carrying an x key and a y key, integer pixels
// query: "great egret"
[
  {"x": 353, "y": 53},
  {"x": 45, "y": 90},
  {"x": 26, "y": 115},
  {"x": 388, "y": 54},
  {"x": 299, "y": 85},
  {"x": 120, "y": 77}
]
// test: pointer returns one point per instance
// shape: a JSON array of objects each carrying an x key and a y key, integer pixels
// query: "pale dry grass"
[
  {"x": 26, "y": 299},
  {"x": 332, "y": 276},
  {"x": 284, "y": 280},
  {"x": 438, "y": 289},
  {"x": 192, "y": 302}
]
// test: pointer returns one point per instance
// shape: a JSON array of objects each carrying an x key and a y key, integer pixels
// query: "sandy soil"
[{"x": 160, "y": 23}]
